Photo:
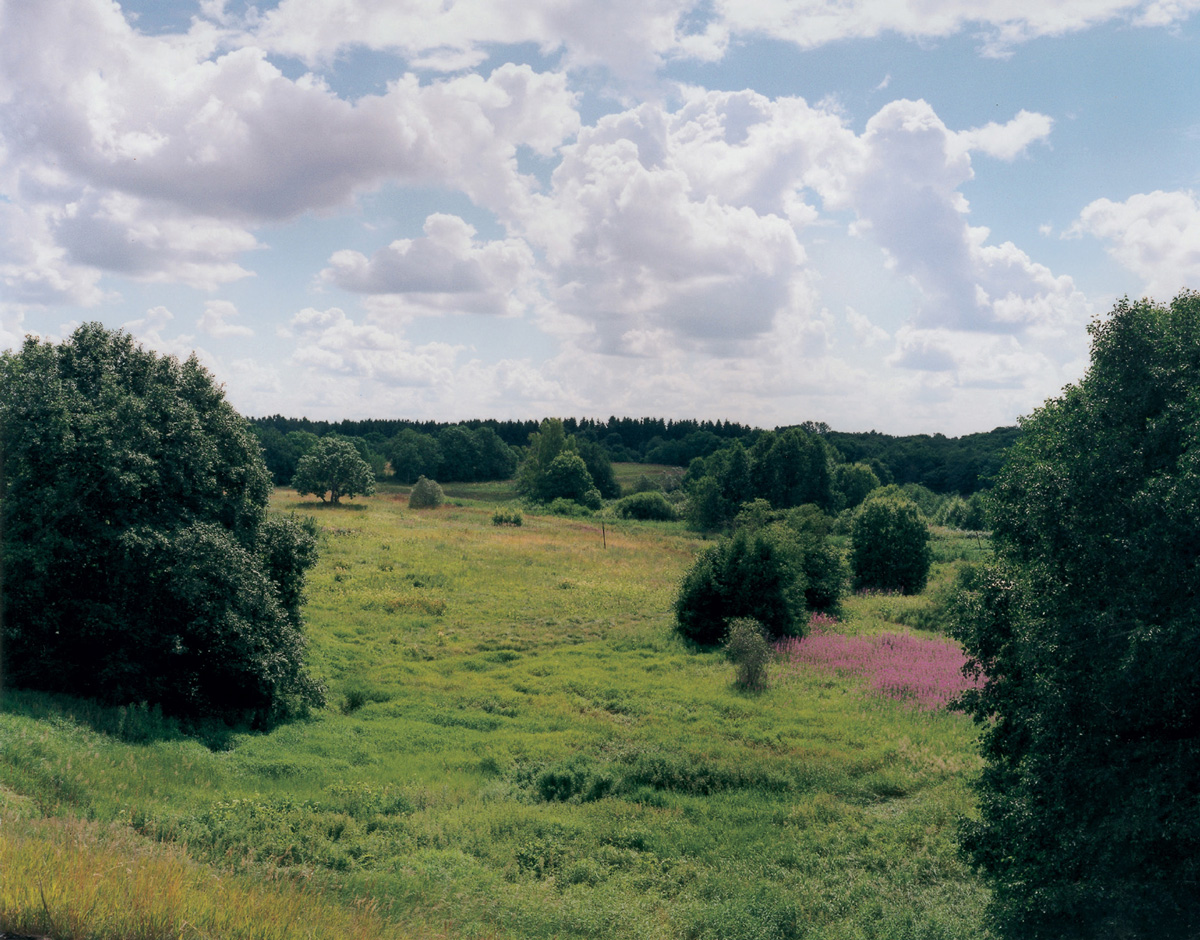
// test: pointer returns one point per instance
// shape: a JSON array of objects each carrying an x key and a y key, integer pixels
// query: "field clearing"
[{"x": 516, "y": 745}]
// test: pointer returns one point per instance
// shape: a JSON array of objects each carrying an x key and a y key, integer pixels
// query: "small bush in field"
[
  {"x": 651, "y": 504},
  {"x": 426, "y": 494},
  {"x": 508, "y": 517},
  {"x": 747, "y": 648}
]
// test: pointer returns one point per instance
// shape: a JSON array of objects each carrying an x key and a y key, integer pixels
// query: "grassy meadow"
[{"x": 516, "y": 745}]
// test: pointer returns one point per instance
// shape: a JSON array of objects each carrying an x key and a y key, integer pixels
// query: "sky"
[{"x": 897, "y": 215}]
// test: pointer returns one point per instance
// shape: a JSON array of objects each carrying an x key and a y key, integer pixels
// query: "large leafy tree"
[
  {"x": 139, "y": 561},
  {"x": 1087, "y": 629},
  {"x": 334, "y": 467}
]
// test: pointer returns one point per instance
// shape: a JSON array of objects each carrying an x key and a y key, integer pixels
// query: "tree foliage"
[
  {"x": 889, "y": 542},
  {"x": 334, "y": 467},
  {"x": 749, "y": 574},
  {"x": 553, "y": 468},
  {"x": 1087, "y": 629},
  {"x": 139, "y": 561}
]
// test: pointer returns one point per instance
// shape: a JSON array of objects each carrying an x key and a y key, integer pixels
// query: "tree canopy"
[
  {"x": 1087, "y": 629},
  {"x": 139, "y": 560},
  {"x": 334, "y": 466}
]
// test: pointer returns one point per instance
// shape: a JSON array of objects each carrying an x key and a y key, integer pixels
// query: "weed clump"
[
  {"x": 426, "y": 494},
  {"x": 508, "y": 517},
  {"x": 747, "y": 648}
]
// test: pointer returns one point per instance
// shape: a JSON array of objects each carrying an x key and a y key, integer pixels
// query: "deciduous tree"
[
  {"x": 1087, "y": 630},
  {"x": 139, "y": 561},
  {"x": 334, "y": 467}
]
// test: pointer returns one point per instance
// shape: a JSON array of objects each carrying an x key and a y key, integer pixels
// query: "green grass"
[{"x": 517, "y": 745}]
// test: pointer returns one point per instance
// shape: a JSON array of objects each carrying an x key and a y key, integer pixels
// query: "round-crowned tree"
[
  {"x": 335, "y": 467},
  {"x": 139, "y": 560},
  {"x": 749, "y": 574},
  {"x": 1086, "y": 631},
  {"x": 890, "y": 545}
]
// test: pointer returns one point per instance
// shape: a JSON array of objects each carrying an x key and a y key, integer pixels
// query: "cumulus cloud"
[
  {"x": 122, "y": 234},
  {"x": 36, "y": 270},
  {"x": 630, "y": 37},
  {"x": 214, "y": 321},
  {"x": 665, "y": 227},
  {"x": 167, "y": 151},
  {"x": 1007, "y": 141},
  {"x": 905, "y": 191},
  {"x": 1155, "y": 235},
  {"x": 447, "y": 270},
  {"x": 633, "y": 38},
  {"x": 1000, "y": 24},
  {"x": 330, "y": 342}
]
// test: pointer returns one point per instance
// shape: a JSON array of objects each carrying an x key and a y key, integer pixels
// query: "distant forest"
[{"x": 491, "y": 449}]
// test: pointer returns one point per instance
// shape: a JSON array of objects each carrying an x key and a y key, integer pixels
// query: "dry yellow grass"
[{"x": 70, "y": 880}]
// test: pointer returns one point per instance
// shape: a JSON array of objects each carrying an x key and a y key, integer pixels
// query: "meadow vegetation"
[{"x": 517, "y": 744}]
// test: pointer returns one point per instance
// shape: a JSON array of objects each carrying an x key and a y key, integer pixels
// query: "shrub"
[
  {"x": 890, "y": 546},
  {"x": 651, "y": 504},
  {"x": 508, "y": 517},
  {"x": 747, "y": 648},
  {"x": 746, "y": 575},
  {"x": 426, "y": 494},
  {"x": 568, "y": 508}
]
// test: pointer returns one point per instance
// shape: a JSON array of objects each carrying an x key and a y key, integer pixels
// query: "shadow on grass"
[{"x": 139, "y": 723}]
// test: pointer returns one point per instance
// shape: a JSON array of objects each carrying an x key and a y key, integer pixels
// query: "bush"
[
  {"x": 890, "y": 546},
  {"x": 746, "y": 575},
  {"x": 568, "y": 508},
  {"x": 426, "y": 494},
  {"x": 747, "y": 648},
  {"x": 651, "y": 504},
  {"x": 508, "y": 517},
  {"x": 140, "y": 564}
]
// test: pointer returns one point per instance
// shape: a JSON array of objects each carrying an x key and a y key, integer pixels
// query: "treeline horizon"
[{"x": 942, "y": 464}]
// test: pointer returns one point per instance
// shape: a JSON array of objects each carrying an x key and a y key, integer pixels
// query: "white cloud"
[
  {"x": 905, "y": 190},
  {"x": 630, "y": 37},
  {"x": 214, "y": 321},
  {"x": 330, "y": 342},
  {"x": 447, "y": 271},
  {"x": 150, "y": 241},
  {"x": 35, "y": 270},
  {"x": 999, "y": 23},
  {"x": 1155, "y": 235},
  {"x": 633, "y": 38},
  {"x": 154, "y": 157},
  {"x": 1007, "y": 141}
]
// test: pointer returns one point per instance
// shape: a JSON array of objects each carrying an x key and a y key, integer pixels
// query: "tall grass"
[
  {"x": 69, "y": 878},
  {"x": 517, "y": 745}
]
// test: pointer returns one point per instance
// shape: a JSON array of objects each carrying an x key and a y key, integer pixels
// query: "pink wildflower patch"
[{"x": 925, "y": 672}]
